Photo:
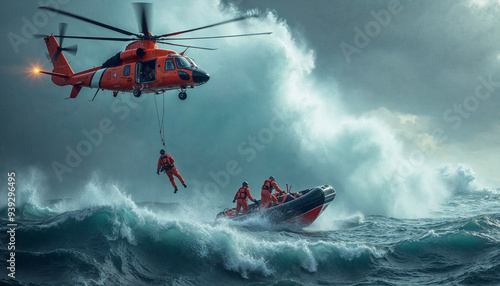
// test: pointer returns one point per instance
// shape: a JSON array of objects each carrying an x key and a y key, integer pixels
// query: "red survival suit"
[
  {"x": 167, "y": 162},
  {"x": 242, "y": 195},
  {"x": 266, "y": 195}
]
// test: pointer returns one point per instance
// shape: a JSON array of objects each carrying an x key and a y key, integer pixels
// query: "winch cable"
[{"x": 161, "y": 125}]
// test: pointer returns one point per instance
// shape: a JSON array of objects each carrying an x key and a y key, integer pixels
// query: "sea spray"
[
  {"x": 137, "y": 243},
  {"x": 462, "y": 180}
]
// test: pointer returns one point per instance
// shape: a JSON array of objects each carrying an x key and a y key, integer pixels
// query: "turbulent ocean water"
[{"x": 72, "y": 242}]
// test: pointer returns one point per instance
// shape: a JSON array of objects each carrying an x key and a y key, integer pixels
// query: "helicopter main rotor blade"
[
  {"x": 62, "y": 32},
  {"x": 89, "y": 38},
  {"x": 89, "y": 21},
  {"x": 218, "y": 37},
  {"x": 185, "y": 46},
  {"x": 143, "y": 10},
  {"x": 208, "y": 26}
]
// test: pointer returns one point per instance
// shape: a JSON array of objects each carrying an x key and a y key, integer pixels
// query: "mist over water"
[{"x": 372, "y": 170}]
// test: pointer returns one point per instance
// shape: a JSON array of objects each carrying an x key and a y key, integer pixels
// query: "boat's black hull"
[{"x": 303, "y": 209}]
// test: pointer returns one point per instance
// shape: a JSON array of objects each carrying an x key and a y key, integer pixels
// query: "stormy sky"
[{"x": 384, "y": 100}]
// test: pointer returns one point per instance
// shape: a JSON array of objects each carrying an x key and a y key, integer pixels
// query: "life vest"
[
  {"x": 268, "y": 185},
  {"x": 242, "y": 193},
  {"x": 165, "y": 163}
]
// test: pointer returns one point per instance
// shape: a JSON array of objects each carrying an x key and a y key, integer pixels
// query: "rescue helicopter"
[{"x": 141, "y": 68}]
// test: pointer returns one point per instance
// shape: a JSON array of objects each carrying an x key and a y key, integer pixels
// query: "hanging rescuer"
[
  {"x": 166, "y": 164},
  {"x": 242, "y": 195}
]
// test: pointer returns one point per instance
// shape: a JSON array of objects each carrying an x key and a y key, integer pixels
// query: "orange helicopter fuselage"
[{"x": 141, "y": 68}]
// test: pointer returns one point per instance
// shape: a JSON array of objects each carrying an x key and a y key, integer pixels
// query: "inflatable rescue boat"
[{"x": 302, "y": 207}]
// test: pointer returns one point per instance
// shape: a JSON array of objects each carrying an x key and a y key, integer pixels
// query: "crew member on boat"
[
  {"x": 241, "y": 195},
  {"x": 266, "y": 195}
]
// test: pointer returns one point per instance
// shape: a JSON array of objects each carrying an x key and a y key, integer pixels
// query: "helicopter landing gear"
[
  {"x": 182, "y": 95},
  {"x": 137, "y": 92}
]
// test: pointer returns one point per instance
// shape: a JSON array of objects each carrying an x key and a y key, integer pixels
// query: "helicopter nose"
[{"x": 200, "y": 76}]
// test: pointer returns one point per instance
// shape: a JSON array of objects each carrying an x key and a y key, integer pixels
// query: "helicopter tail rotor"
[{"x": 71, "y": 49}]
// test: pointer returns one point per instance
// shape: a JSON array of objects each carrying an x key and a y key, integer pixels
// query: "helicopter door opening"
[{"x": 145, "y": 71}]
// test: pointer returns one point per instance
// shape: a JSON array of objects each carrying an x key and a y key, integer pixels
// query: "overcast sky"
[{"x": 361, "y": 95}]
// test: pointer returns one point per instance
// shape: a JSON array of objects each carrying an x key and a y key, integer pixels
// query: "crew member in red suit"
[
  {"x": 166, "y": 164},
  {"x": 266, "y": 195},
  {"x": 242, "y": 195}
]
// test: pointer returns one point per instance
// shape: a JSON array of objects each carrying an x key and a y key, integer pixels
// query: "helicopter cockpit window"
[
  {"x": 192, "y": 62},
  {"x": 169, "y": 64},
  {"x": 126, "y": 70},
  {"x": 182, "y": 63}
]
